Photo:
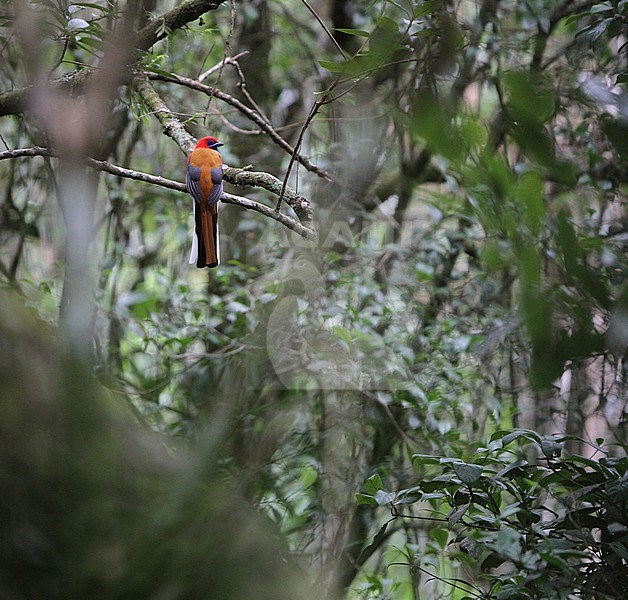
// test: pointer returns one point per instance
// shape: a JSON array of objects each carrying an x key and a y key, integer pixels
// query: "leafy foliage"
[
  {"x": 468, "y": 282},
  {"x": 536, "y": 523}
]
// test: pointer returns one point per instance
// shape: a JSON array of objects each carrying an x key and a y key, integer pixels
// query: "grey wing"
[
  {"x": 214, "y": 195},
  {"x": 193, "y": 183}
]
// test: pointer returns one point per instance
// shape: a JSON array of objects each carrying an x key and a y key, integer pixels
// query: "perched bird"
[{"x": 204, "y": 183}]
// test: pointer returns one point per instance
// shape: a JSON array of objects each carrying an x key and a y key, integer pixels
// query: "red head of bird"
[{"x": 208, "y": 141}]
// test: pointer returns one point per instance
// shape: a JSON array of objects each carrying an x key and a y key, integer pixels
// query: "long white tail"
[{"x": 194, "y": 253}]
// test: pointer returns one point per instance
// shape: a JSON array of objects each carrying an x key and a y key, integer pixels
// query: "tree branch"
[
  {"x": 299, "y": 204},
  {"x": 161, "y": 27},
  {"x": 248, "y": 112},
  {"x": 16, "y": 101},
  {"x": 100, "y": 165},
  {"x": 241, "y": 177},
  {"x": 171, "y": 126}
]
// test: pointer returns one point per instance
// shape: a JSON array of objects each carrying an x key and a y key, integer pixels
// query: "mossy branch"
[
  {"x": 100, "y": 165},
  {"x": 173, "y": 128}
]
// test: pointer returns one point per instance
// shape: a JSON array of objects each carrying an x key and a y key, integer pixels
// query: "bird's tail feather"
[
  {"x": 209, "y": 228},
  {"x": 205, "y": 238}
]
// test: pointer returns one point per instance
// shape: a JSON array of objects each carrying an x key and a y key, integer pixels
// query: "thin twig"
[
  {"x": 229, "y": 60},
  {"x": 325, "y": 29},
  {"x": 227, "y": 51},
  {"x": 312, "y": 114},
  {"x": 245, "y": 110},
  {"x": 245, "y": 93},
  {"x": 186, "y": 143},
  {"x": 313, "y": 111}
]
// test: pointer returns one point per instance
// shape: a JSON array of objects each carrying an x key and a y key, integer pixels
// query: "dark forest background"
[{"x": 406, "y": 380}]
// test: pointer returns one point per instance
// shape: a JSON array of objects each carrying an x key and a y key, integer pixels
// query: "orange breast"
[{"x": 207, "y": 159}]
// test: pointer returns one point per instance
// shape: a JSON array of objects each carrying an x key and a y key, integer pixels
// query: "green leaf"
[
  {"x": 358, "y": 32},
  {"x": 514, "y": 470},
  {"x": 536, "y": 311},
  {"x": 426, "y": 7},
  {"x": 576, "y": 438},
  {"x": 426, "y": 459},
  {"x": 493, "y": 256},
  {"x": 439, "y": 483},
  {"x": 88, "y": 5},
  {"x": 602, "y": 7},
  {"x": 368, "y": 551},
  {"x": 551, "y": 448},
  {"x": 513, "y": 435},
  {"x": 382, "y": 43},
  {"x": 343, "y": 334},
  {"x": 365, "y": 499},
  {"x": 457, "y": 514},
  {"x": 530, "y": 96},
  {"x": 334, "y": 67},
  {"x": 382, "y": 498},
  {"x": 433, "y": 122},
  {"x": 468, "y": 473},
  {"x": 373, "y": 484},
  {"x": 154, "y": 69},
  {"x": 553, "y": 479},
  {"x": 77, "y": 25},
  {"x": 577, "y": 519},
  {"x": 387, "y": 24},
  {"x": 529, "y": 193},
  {"x": 237, "y": 307},
  {"x": 139, "y": 303},
  {"x": 508, "y": 543},
  {"x": 492, "y": 561},
  {"x": 440, "y": 535},
  {"x": 409, "y": 496},
  {"x": 620, "y": 550}
]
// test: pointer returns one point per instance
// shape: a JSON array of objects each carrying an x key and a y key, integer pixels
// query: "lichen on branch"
[{"x": 174, "y": 129}]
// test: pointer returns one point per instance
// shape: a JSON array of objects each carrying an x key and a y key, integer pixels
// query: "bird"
[{"x": 203, "y": 181}]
